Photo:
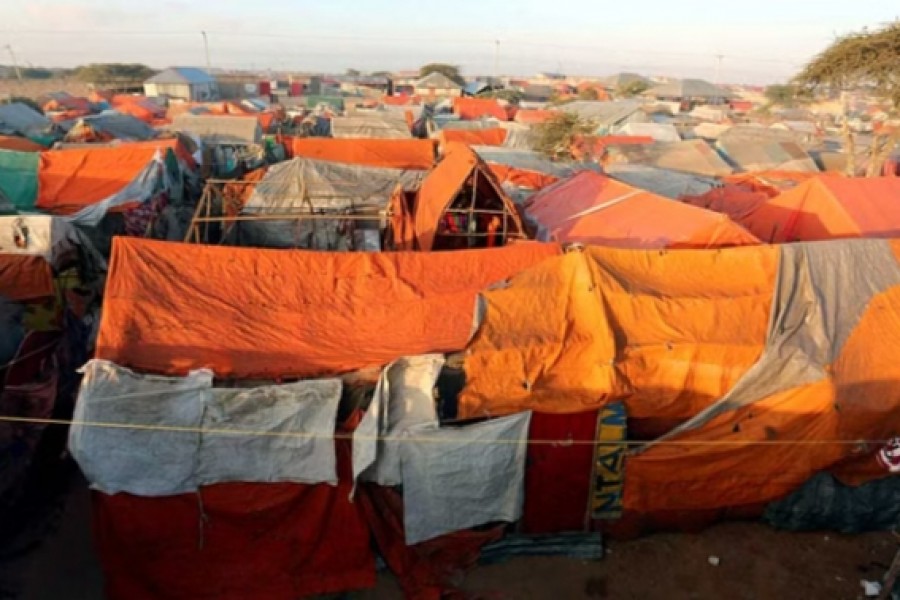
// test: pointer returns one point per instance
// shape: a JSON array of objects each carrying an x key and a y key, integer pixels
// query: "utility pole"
[
  {"x": 14, "y": 61},
  {"x": 719, "y": 58},
  {"x": 206, "y": 50},
  {"x": 496, "y": 60}
]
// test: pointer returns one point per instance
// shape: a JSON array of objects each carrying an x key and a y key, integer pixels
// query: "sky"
[{"x": 754, "y": 41}]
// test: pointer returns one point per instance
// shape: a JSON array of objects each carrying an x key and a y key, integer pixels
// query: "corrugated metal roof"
[{"x": 189, "y": 75}]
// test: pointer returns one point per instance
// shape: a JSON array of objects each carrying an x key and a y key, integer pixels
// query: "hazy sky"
[{"x": 761, "y": 41}]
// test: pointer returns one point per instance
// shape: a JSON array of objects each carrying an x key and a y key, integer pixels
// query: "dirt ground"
[{"x": 755, "y": 561}]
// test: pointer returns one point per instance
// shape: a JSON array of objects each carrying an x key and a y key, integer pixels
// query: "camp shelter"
[
  {"x": 689, "y": 156},
  {"x": 471, "y": 109},
  {"x": 590, "y": 208},
  {"x": 109, "y": 126},
  {"x": 19, "y": 144},
  {"x": 663, "y": 182},
  {"x": 607, "y": 115},
  {"x": 689, "y": 89},
  {"x": 759, "y": 366},
  {"x": 594, "y": 147},
  {"x": 494, "y": 136},
  {"x": 19, "y": 178},
  {"x": 710, "y": 131},
  {"x": 534, "y": 116},
  {"x": 828, "y": 207},
  {"x": 19, "y": 119},
  {"x": 735, "y": 201},
  {"x": 139, "y": 107},
  {"x": 461, "y": 205},
  {"x": 220, "y": 130},
  {"x": 660, "y": 132},
  {"x": 51, "y": 238},
  {"x": 392, "y": 154},
  {"x": 525, "y": 169},
  {"x": 304, "y": 203},
  {"x": 24, "y": 277},
  {"x": 374, "y": 126},
  {"x": 100, "y": 179},
  {"x": 170, "y": 308},
  {"x": 332, "y": 102},
  {"x": 765, "y": 149}
]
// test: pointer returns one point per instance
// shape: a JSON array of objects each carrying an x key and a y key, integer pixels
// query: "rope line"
[{"x": 420, "y": 439}]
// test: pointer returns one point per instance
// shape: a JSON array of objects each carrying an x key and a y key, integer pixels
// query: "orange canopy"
[
  {"x": 494, "y": 136},
  {"x": 393, "y": 154},
  {"x": 139, "y": 107},
  {"x": 591, "y": 146},
  {"x": 523, "y": 178},
  {"x": 246, "y": 313},
  {"x": 70, "y": 180},
  {"x": 593, "y": 209},
  {"x": 829, "y": 207},
  {"x": 471, "y": 109},
  {"x": 19, "y": 144},
  {"x": 769, "y": 361},
  {"x": 534, "y": 116},
  {"x": 71, "y": 103},
  {"x": 770, "y": 182},
  {"x": 24, "y": 277}
]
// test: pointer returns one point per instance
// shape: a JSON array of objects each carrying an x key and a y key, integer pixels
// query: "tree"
[
  {"x": 556, "y": 135},
  {"x": 353, "y": 73},
  {"x": 511, "y": 96},
  {"x": 588, "y": 94},
  {"x": 449, "y": 71},
  {"x": 113, "y": 72},
  {"x": 632, "y": 88},
  {"x": 387, "y": 74},
  {"x": 866, "y": 59},
  {"x": 785, "y": 95}
]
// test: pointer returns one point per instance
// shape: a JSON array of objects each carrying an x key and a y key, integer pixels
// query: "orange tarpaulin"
[
  {"x": 19, "y": 144},
  {"x": 778, "y": 358},
  {"x": 471, "y": 109},
  {"x": 534, "y": 116},
  {"x": 829, "y": 207},
  {"x": 523, "y": 178},
  {"x": 494, "y": 136},
  {"x": 246, "y": 313},
  {"x": 393, "y": 154},
  {"x": 734, "y": 201},
  {"x": 594, "y": 209},
  {"x": 595, "y": 146},
  {"x": 70, "y": 180},
  {"x": 770, "y": 182},
  {"x": 139, "y": 107},
  {"x": 24, "y": 277}
]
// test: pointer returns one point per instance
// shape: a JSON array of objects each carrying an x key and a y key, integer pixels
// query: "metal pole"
[
  {"x": 14, "y": 61},
  {"x": 206, "y": 50}
]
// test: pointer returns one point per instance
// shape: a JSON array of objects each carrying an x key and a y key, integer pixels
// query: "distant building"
[
  {"x": 437, "y": 85},
  {"x": 185, "y": 83},
  {"x": 549, "y": 77}
]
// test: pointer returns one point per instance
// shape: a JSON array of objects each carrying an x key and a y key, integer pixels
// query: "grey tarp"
[
  {"x": 765, "y": 149},
  {"x": 689, "y": 156},
  {"x": 820, "y": 293},
  {"x": 19, "y": 119},
  {"x": 661, "y": 132},
  {"x": 302, "y": 186},
  {"x": 606, "y": 115},
  {"x": 220, "y": 130},
  {"x": 664, "y": 182},
  {"x": 518, "y": 136},
  {"x": 458, "y": 478},
  {"x": 156, "y": 436},
  {"x": 530, "y": 161},
  {"x": 689, "y": 88},
  {"x": 114, "y": 124},
  {"x": 374, "y": 125},
  {"x": 403, "y": 398}
]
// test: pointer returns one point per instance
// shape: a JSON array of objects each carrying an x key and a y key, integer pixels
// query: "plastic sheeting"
[
  {"x": 387, "y": 126},
  {"x": 17, "y": 118},
  {"x": 392, "y": 154},
  {"x": 664, "y": 182},
  {"x": 658, "y": 131},
  {"x": 24, "y": 277},
  {"x": 163, "y": 436},
  {"x": 19, "y": 178},
  {"x": 403, "y": 398},
  {"x": 690, "y": 156},
  {"x": 108, "y": 126},
  {"x": 220, "y": 130},
  {"x": 37, "y": 235},
  {"x": 457, "y": 478},
  {"x": 170, "y": 308}
]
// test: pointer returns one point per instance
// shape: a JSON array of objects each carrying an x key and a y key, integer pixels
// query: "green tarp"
[
  {"x": 336, "y": 102},
  {"x": 19, "y": 178}
]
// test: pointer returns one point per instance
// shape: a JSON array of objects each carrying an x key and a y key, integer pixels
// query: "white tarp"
[
  {"x": 458, "y": 478},
  {"x": 158, "y": 436},
  {"x": 37, "y": 235},
  {"x": 404, "y": 398},
  {"x": 373, "y": 125}
]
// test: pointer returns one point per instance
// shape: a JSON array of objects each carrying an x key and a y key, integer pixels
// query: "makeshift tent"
[
  {"x": 494, "y": 136},
  {"x": 660, "y": 132},
  {"x": 19, "y": 144},
  {"x": 471, "y": 109},
  {"x": 687, "y": 89},
  {"x": 525, "y": 169},
  {"x": 139, "y": 107},
  {"x": 761, "y": 366},
  {"x": 100, "y": 179},
  {"x": 590, "y": 208},
  {"x": 220, "y": 130},
  {"x": 374, "y": 126},
  {"x": 689, "y": 156},
  {"x": 664, "y": 182},
  {"x": 19, "y": 119},
  {"x": 589, "y": 147},
  {"x": 19, "y": 178},
  {"x": 828, "y": 207},
  {"x": 109, "y": 126},
  {"x": 534, "y": 116},
  {"x": 392, "y": 154},
  {"x": 607, "y": 114},
  {"x": 765, "y": 149},
  {"x": 461, "y": 205},
  {"x": 170, "y": 308}
]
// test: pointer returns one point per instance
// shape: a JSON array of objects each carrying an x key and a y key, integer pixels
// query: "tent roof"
[
  {"x": 689, "y": 88},
  {"x": 622, "y": 79},
  {"x": 220, "y": 129},
  {"x": 828, "y": 207},
  {"x": 594, "y": 209},
  {"x": 605, "y": 114},
  {"x": 395, "y": 154},
  {"x": 438, "y": 81},
  {"x": 689, "y": 156},
  {"x": 118, "y": 125},
  {"x": 17, "y": 118},
  {"x": 663, "y": 182},
  {"x": 252, "y": 313},
  {"x": 24, "y": 277},
  {"x": 386, "y": 125},
  {"x": 189, "y": 75},
  {"x": 661, "y": 132}
]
